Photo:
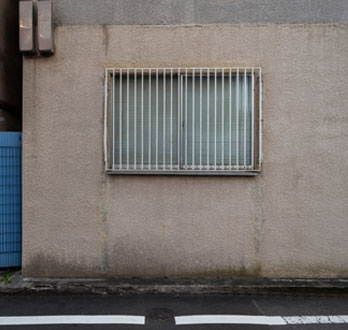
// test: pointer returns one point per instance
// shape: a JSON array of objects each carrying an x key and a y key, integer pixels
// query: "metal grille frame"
[
  {"x": 10, "y": 199},
  {"x": 182, "y": 168}
]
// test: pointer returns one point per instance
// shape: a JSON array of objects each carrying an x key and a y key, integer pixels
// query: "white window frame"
[{"x": 195, "y": 169}]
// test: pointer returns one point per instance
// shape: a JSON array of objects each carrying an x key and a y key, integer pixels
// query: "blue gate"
[{"x": 10, "y": 199}]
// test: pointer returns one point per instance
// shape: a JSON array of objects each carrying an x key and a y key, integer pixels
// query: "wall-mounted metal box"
[
  {"x": 45, "y": 27},
  {"x": 26, "y": 27}
]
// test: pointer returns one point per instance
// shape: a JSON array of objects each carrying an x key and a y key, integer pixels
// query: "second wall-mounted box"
[
  {"x": 36, "y": 27},
  {"x": 45, "y": 36}
]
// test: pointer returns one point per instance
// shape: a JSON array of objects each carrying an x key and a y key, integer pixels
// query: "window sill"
[{"x": 183, "y": 172}]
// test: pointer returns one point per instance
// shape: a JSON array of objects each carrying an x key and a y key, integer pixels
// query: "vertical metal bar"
[
  {"x": 179, "y": 119},
  {"x": 222, "y": 118},
  {"x": 252, "y": 117},
  {"x": 127, "y": 142},
  {"x": 260, "y": 118},
  {"x": 120, "y": 119},
  {"x": 208, "y": 118},
  {"x": 106, "y": 120},
  {"x": 200, "y": 119},
  {"x": 171, "y": 119},
  {"x": 113, "y": 119},
  {"x": 186, "y": 119},
  {"x": 245, "y": 113},
  {"x": 135, "y": 118},
  {"x": 215, "y": 119},
  {"x": 156, "y": 119},
  {"x": 142, "y": 119},
  {"x": 230, "y": 118},
  {"x": 193, "y": 119},
  {"x": 150, "y": 137},
  {"x": 164, "y": 119},
  {"x": 237, "y": 120}
]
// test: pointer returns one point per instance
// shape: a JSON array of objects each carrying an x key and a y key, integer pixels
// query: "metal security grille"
[
  {"x": 183, "y": 120},
  {"x": 10, "y": 199}
]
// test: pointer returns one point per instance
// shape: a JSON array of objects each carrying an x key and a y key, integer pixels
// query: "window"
[{"x": 183, "y": 121}]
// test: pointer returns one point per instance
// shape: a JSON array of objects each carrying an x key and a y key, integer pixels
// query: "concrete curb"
[{"x": 29, "y": 286}]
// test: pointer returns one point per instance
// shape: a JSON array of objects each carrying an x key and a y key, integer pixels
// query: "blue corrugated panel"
[{"x": 10, "y": 199}]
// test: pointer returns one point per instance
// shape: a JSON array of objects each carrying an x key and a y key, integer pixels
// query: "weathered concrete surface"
[
  {"x": 290, "y": 221},
  {"x": 151, "y": 12},
  {"x": 19, "y": 285}
]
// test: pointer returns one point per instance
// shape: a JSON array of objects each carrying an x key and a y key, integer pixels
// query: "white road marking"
[
  {"x": 260, "y": 319},
  {"x": 229, "y": 319},
  {"x": 72, "y": 319},
  {"x": 333, "y": 319},
  {"x": 179, "y": 320}
]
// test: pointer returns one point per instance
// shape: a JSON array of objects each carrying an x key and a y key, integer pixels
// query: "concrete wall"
[
  {"x": 117, "y": 12},
  {"x": 290, "y": 221}
]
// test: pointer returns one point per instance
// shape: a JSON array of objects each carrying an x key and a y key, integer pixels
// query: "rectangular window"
[{"x": 183, "y": 121}]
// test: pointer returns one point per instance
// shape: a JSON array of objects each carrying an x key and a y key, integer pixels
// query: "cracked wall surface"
[{"x": 290, "y": 221}]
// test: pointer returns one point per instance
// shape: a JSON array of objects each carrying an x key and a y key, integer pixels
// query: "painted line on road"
[
  {"x": 326, "y": 319},
  {"x": 72, "y": 319},
  {"x": 179, "y": 320},
  {"x": 260, "y": 319}
]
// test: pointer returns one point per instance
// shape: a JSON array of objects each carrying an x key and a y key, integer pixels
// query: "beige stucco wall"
[{"x": 290, "y": 221}]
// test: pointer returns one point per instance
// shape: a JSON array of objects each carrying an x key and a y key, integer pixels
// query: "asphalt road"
[{"x": 166, "y": 311}]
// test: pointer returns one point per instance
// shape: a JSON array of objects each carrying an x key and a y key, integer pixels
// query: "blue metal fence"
[{"x": 10, "y": 199}]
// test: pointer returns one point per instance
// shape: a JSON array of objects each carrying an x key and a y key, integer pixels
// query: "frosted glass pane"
[
  {"x": 213, "y": 116},
  {"x": 212, "y": 129},
  {"x": 152, "y": 114}
]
